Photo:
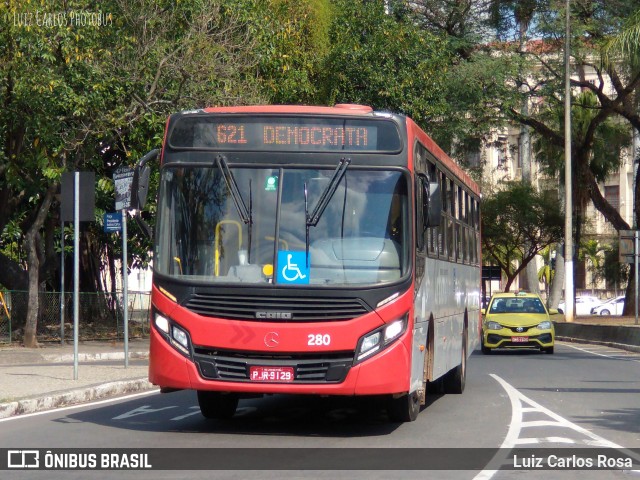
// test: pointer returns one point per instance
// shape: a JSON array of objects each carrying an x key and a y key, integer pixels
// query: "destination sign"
[{"x": 289, "y": 133}]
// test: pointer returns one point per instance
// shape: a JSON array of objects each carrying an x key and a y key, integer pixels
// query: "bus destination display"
[{"x": 286, "y": 134}]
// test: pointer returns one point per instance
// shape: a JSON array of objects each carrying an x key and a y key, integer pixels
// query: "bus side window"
[{"x": 420, "y": 214}]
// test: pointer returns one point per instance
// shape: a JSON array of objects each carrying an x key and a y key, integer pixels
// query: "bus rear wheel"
[
  {"x": 217, "y": 405},
  {"x": 455, "y": 379},
  {"x": 404, "y": 408}
]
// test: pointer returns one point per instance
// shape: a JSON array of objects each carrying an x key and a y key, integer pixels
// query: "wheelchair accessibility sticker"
[{"x": 292, "y": 267}]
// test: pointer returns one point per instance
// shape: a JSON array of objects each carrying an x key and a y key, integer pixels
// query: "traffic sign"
[
  {"x": 113, "y": 222},
  {"x": 626, "y": 246},
  {"x": 123, "y": 178}
]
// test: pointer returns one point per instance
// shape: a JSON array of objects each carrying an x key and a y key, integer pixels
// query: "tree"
[
  {"x": 517, "y": 224},
  {"x": 533, "y": 71},
  {"x": 385, "y": 61},
  {"x": 93, "y": 98},
  {"x": 546, "y": 273},
  {"x": 590, "y": 250}
]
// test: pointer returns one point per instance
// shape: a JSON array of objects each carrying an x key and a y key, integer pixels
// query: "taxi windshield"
[{"x": 517, "y": 305}]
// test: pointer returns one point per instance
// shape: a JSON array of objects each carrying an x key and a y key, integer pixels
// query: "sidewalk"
[{"x": 36, "y": 379}]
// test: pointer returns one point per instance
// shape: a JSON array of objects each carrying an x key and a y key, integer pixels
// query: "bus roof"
[{"x": 339, "y": 109}]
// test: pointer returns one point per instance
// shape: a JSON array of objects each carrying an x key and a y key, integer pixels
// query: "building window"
[{"x": 612, "y": 195}]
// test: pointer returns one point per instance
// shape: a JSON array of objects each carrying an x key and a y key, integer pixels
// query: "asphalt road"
[{"x": 582, "y": 396}]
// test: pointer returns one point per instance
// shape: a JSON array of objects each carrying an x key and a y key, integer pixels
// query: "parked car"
[
  {"x": 615, "y": 306},
  {"x": 517, "y": 320},
  {"x": 583, "y": 305}
]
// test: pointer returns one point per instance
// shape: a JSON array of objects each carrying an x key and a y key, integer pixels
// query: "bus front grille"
[
  {"x": 276, "y": 309},
  {"x": 235, "y": 365}
]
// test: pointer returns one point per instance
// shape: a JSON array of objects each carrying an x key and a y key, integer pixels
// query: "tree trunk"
[
  {"x": 32, "y": 238},
  {"x": 557, "y": 285}
]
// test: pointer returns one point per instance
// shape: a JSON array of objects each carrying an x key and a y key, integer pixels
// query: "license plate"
[
  {"x": 271, "y": 374},
  {"x": 519, "y": 339}
]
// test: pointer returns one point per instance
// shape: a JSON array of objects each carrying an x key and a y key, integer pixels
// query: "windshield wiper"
[
  {"x": 245, "y": 213},
  {"x": 327, "y": 195},
  {"x": 313, "y": 219}
]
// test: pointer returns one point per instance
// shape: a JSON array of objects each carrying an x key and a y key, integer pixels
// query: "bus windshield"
[{"x": 362, "y": 237}]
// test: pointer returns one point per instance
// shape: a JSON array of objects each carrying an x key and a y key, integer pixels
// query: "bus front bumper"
[{"x": 333, "y": 374}]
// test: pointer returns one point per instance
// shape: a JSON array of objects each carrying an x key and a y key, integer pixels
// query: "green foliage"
[
  {"x": 590, "y": 251},
  {"x": 385, "y": 61},
  {"x": 94, "y": 97},
  {"x": 610, "y": 137},
  {"x": 291, "y": 42},
  {"x": 517, "y": 224}
]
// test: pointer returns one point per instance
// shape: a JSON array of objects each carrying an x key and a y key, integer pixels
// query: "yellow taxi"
[{"x": 517, "y": 320}]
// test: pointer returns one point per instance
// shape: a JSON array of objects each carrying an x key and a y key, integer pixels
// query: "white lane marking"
[
  {"x": 196, "y": 412},
  {"x": 619, "y": 356},
  {"x": 518, "y": 397},
  {"x": 512, "y": 438},
  {"x": 81, "y": 405},
  {"x": 142, "y": 410},
  {"x": 530, "y": 441}
]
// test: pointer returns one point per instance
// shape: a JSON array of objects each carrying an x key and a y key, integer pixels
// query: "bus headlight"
[
  {"x": 380, "y": 338},
  {"x": 180, "y": 336},
  {"x": 175, "y": 335},
  {"x": 162, "y": 323},
  {"x": 546, "y": 325}
]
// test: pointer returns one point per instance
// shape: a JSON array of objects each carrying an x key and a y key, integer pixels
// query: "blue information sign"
[{"x": 113, "y": 222}]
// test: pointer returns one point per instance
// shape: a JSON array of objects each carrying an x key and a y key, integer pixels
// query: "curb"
[
  {"x": 74, "y": 397},
  {"x": 623, "y": 337},
  {"x": 95, "y": 357},
  {"x": 621, "y": 346}
]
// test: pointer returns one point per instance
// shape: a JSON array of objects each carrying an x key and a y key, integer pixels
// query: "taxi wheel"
[
  {"x": 405, "y": 408},
  {"x": 217, "y": 405},
  {"x": 548, "y": 350},
  {"x": 485, "y": 350}
]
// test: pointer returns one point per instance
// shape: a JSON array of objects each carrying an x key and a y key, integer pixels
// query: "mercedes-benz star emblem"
[{"x": 271, "y": 339}]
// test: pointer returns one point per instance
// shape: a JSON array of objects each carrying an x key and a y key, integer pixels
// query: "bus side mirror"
[
  {"x": 140, "y": 185},
  {"x": 140, "y": 189},
  {"x": 433, "y": 209}
]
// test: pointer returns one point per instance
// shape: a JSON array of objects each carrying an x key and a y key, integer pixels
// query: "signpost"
[
  {"x": 123, "y": 180},
  {"x": 78, "y": 202},
  {"x": 629, "y": 250}
]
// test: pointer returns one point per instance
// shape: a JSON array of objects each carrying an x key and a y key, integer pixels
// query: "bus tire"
[
  {"x": 217, "y": 405},
  {"x": 455, "y": 379},
  {"x": 404, "y": 408}
]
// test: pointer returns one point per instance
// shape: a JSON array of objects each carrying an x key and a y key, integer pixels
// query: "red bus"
[{"x": 311, "y": 250}]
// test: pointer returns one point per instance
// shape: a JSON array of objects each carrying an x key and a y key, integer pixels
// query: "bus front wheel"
[
  {"x": 217, "y": 405},
  {"x": 404, "y": 408}
]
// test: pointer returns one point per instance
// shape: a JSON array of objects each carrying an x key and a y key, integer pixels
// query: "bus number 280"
[{"x": 318, "y": 339}]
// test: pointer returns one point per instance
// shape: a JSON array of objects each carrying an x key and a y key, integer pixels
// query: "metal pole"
[
  {"x": 76, "y": 268},
  {"x": 636, "y": 252},
  {"x": 62, "y": 281},
  {"x": 569, "y": 300},
  {"x": 125, "y": 288}
]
